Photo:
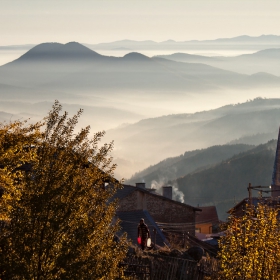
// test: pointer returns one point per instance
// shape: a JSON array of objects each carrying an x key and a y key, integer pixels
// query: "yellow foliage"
[
  {"x": 57, "y": 221},
  {"x": 250, "y": 249}
]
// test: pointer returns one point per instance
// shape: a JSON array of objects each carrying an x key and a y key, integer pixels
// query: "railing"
[
  {"x": 157, "y": 267},
  {"x": 137, "y": 268}
]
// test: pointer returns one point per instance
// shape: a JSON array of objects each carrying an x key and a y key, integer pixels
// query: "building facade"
[{"x": 162, "y": 208}]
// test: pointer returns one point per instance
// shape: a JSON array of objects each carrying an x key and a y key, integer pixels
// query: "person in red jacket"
[{"x": 144, "y": 233}]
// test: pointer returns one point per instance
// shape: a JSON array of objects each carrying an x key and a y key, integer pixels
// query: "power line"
[{"x": 176, "y": 224}]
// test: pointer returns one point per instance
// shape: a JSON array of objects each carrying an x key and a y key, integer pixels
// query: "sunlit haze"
[
  {"x": 145, "y": 71},
  {"x": 36, "y": 21}
]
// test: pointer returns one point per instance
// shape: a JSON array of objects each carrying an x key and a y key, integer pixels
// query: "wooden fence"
[{"x": 156, "y": 267}]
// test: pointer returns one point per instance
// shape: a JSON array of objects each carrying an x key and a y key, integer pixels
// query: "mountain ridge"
[
  {"x": 191, "y": 161},
  {"x": 80, "y": 67},
  {"x": 266, "y": 60},
  {"x": 57, "y": 51},
  {"x": 243, "y": 38},
  {"x": 226, "y": 183},
  {"x": 152, "y": 140}
]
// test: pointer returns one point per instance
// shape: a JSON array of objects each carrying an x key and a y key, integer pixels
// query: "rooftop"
[
  {"x": 128, "y": 189},
  {"x": 208, "y": 214}
]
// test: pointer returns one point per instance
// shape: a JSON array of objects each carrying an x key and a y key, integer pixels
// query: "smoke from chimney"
[{"x": 176, "y": 194}]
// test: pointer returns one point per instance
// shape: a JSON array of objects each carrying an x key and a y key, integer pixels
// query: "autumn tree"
[
  {"x": 56, "y": 209},
  {"x": 250, "y": 249}
]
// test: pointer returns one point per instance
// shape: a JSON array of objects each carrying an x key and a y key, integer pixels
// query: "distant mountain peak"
[
  {"x": 268, "y": 53},
  {"x": 56, "y": 51},
  {"x": 73, "y": 43},
  {"x": 264, "y": 75},
  {"x": 136, "y": 56},
  {"x": 169, "y": 41}
]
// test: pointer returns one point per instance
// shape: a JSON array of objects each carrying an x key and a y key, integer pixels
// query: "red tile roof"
[{"x": 208, "y": 214}]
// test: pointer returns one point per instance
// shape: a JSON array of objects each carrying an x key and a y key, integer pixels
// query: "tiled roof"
[
  {"x": 208, "y": 214},
  {"x": 130, "y": 221},
  {"x": 125, "y": 191}
]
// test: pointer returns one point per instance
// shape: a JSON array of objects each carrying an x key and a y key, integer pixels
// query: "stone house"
[{"x": 165, "y": 211}]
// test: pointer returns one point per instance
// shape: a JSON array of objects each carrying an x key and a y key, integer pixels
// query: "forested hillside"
[
  {"x": 226, "y": 183},
  {"x": 218, "y": 175},
  {"x": 150, "y": 141},
  {"x": 175, "y": 167}
]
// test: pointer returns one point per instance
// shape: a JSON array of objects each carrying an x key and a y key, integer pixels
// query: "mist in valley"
[
  {"x": 162, "y": 112},
  {"x": 152, "y": 107}
]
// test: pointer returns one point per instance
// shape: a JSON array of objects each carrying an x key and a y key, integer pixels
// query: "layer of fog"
[
  {"x": 133, "y": 155},
  {"x": 121, "y": 98},
  {"x": 151, "y": 53},
  {"x": 123, "y": 108},
  {"x": 7, "y": 56}
]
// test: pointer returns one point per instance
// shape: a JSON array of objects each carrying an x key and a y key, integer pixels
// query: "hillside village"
[
  {"x": 168, "y": 218},
  {"x": 193, "y": 230},
  {"x": 183, "y": 200},
  {"x": 140, "y": 140}
]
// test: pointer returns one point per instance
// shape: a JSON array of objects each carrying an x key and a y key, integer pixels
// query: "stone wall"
[
  {"x": 129, "y": 203},
  {"x": 165, "y": 211}
]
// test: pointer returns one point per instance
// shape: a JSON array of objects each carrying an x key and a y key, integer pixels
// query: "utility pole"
[
  {"x": 250, "y": 194},
  {"x": 250, "y": 188}
]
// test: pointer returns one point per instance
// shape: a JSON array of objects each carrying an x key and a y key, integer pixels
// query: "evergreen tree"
[{"x": 57, "y": 218}]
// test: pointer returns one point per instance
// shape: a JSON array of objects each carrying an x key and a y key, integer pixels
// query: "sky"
[{"x": 96, "y": 21}]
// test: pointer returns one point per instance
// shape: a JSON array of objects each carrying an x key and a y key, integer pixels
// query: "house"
[
  {"x": 239, "y": 209},
  {"x": 165, "y": 211},
  {"x": 207, "y": 220}
]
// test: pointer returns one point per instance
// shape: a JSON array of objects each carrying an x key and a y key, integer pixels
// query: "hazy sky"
[{"x": 94, "y": 21}]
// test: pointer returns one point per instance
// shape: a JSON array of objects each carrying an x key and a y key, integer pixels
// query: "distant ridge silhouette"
[
  {"x": 73, "y": 67},
  {"x": 268, "y": 53},
  {"x": 266, "y": 60},
  {"x": 58, "y": 52},
  {"x": 136, "y": 56}
]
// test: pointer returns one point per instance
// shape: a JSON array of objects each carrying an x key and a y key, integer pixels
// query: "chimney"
[
  {"x": 167, "y": 191},
  {"x": 141, "y": 185}
]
